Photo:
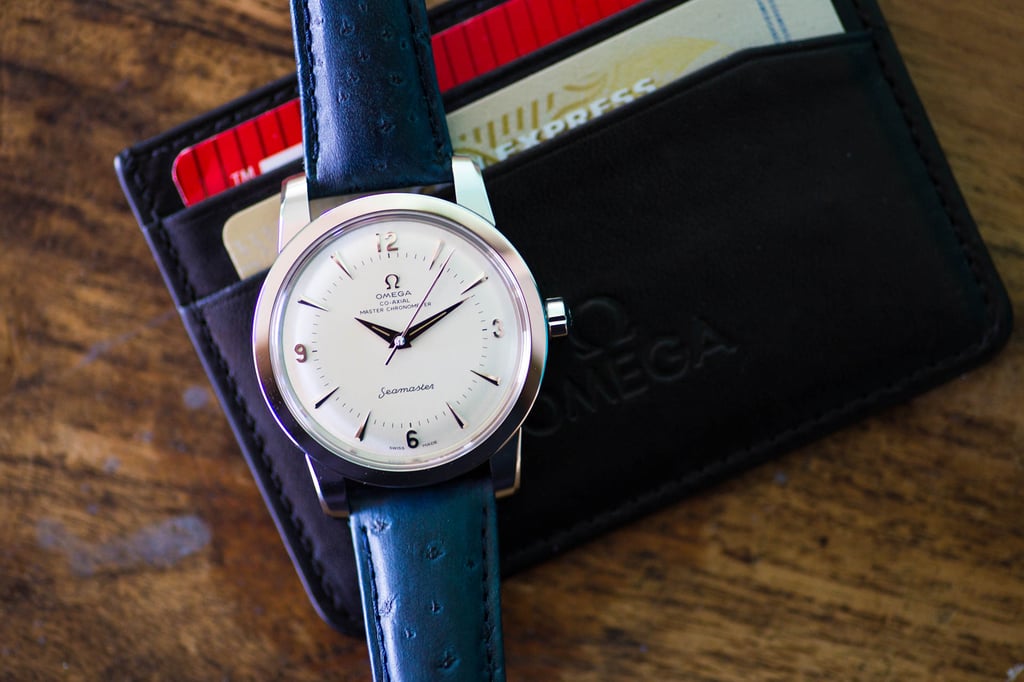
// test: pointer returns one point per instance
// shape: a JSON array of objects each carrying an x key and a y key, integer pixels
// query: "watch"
[{"x": 400, "y": 339}]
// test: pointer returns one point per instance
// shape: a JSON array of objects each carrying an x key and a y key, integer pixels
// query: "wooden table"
[{"x": 133, "y": 543}]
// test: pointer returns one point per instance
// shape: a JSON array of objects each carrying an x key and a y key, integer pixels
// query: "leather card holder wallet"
[{"x": 755, "y": 256}]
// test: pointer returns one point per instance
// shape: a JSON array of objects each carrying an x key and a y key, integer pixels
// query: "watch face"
[{"x": 400, "y": 339}]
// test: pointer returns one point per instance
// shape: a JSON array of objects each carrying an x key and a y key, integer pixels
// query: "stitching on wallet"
[
  {"x": 726, "y": 464},
  {"x": 181, "y": 271},
  {"x": 213, "y": 350},
  {"x": 375, "y": 598},
  {"x": 314, "y": 128},
  {"x": 940, "y": 191},
  {"x": 437, "y": 131},
  {"x": 200, "y": 133}
]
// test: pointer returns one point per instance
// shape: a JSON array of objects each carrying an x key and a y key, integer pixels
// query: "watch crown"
[{"x": 558, "y": 317}]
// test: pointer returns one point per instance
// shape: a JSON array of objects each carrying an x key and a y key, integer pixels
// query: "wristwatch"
[{"x": 400, "y": 339}]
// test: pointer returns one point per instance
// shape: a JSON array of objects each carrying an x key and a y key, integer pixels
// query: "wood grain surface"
[{"x": 134, "y": 545}]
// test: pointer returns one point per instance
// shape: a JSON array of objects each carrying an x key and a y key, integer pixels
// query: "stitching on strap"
[
  {"x": 488, "y": 641},
  {"x": 423, "y": 58},
  {"x": 375, "y": 598},
  {"x": 314, "y": 127}
]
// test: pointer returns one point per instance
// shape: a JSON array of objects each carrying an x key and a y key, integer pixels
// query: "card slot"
[
  {"x": 628, "y": 14},
  {"x": 189, "y": 243},
  {"x": 704, "y": 77}
]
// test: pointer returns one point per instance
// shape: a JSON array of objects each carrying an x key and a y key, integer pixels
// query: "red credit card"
[{"x": 462, "y": 52}]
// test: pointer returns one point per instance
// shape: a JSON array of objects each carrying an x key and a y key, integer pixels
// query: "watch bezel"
[{"x": 357, "y": 211}]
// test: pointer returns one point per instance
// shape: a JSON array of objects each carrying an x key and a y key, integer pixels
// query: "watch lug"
[
  {"x": 330, "y": 489},
  {"x": 505, "y": 466},
  {"x": 294, "y": 209},
  {"x": 469, "y": 187}
]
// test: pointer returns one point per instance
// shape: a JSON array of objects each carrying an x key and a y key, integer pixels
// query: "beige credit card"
[{"x": 547, "y": 103}]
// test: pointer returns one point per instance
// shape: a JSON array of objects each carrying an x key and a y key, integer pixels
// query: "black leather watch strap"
[
  {"x": 372, "y": 116},
  {"x": 427, "y": 558},
  {"x": 428, "y": 566}
]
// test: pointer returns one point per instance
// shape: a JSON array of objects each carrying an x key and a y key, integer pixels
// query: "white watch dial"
[{"x": 400, "y": 341}]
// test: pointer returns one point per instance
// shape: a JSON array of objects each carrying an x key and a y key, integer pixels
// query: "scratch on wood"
[
  {"x": 196, "y": 397},
  {"x": 101, "y": 348},
  {"x": 161, "y": 545}
]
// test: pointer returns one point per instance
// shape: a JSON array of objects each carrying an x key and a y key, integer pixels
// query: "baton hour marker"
[
  {"x": 361, "y": 431},
  {"x": 479, "y": 280},
  {"x": 437, "y": 252},
  {"x": 487, "y": 377},
  {"x": 303, "y": 301},
  {"x": 337, "y": 261},
  {"x": 458, "y": 420},
  {"x": 325, "y": 398}
]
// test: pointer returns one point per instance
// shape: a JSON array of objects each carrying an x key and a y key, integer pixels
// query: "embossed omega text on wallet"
[{"x": 755, "y": 254}]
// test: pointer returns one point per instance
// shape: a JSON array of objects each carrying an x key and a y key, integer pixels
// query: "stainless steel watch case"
[{"x": 472, "y": 212}]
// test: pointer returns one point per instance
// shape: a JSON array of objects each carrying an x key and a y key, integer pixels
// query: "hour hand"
[
  {"x": 388, "y": 335},
  {"x": 426, "y": 324}
]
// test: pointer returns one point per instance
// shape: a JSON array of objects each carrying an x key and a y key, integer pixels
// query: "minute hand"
[
  {"x": 426, "y": 324},
  {"x": 399, "y": 342}
]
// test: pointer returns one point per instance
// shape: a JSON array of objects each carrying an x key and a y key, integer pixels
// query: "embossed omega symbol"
[{"x": 391, "y": 281}]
